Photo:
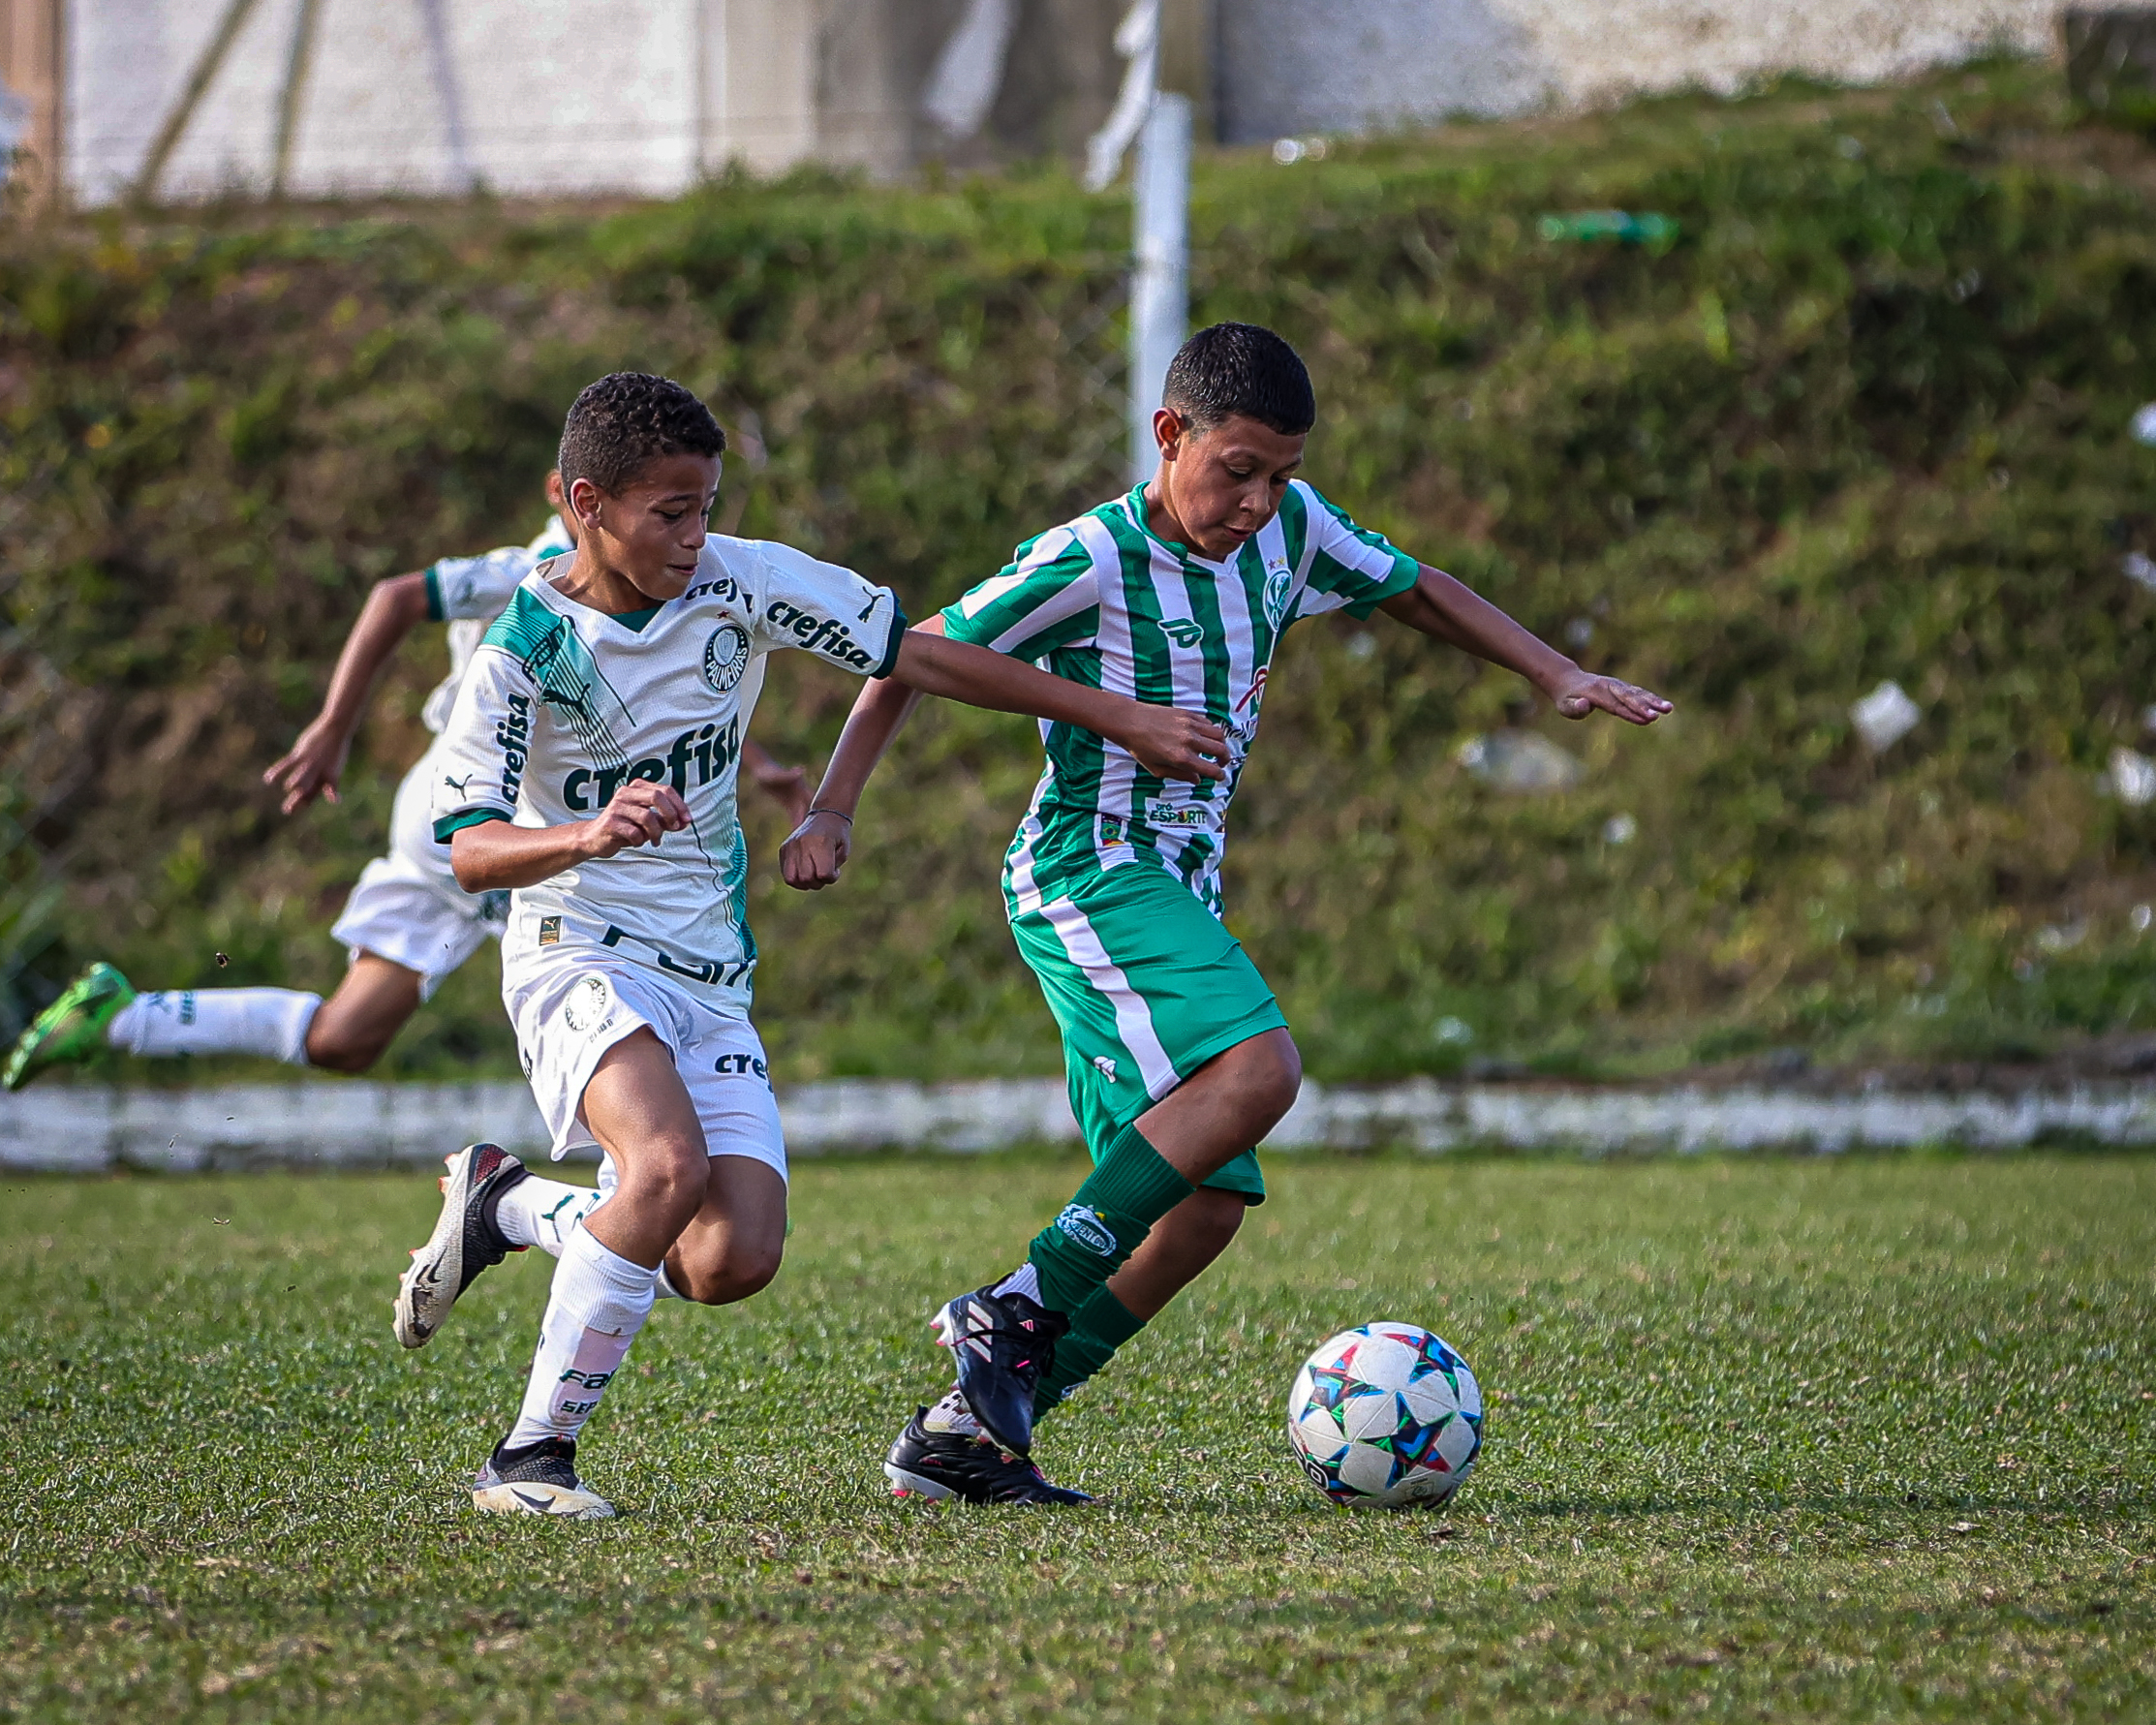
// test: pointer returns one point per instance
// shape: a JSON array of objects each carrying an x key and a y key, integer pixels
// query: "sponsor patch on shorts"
[{"x": 550, "y": 931}]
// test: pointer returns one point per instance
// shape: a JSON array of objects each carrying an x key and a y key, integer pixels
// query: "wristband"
[{"x": 840, "y": 812}]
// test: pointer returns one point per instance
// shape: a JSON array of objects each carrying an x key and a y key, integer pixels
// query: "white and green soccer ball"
[{"x": 1386, "y": 1416}]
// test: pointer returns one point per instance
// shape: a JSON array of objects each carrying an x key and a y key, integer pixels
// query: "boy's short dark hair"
[
  {"x": 621, "y": 424},
  {"x": 1240, "y": 368}
]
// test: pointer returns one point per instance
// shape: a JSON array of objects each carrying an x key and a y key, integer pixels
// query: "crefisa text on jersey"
[
  {"x": 514, "y": 734},
  {"x": 711, "y": 749},
  {"x": 819, "y": 634}
]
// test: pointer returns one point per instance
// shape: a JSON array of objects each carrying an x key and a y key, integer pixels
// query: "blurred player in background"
[
  {"x": 406, "y": 923},
  {"x": 1178, "y": 1058}
]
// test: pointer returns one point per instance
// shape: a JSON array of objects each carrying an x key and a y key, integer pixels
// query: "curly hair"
[
  {"x": 628, "y": 419},
  {"x": 1240, "y": 369}
]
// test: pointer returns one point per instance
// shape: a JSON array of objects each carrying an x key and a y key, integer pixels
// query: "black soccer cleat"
[
  {"x": 940, "y": 1465},
  {"x": 1002, "y": 1343},
  {"x": 538, "y": 1480},
  {"x": 466, "y": 1240}
]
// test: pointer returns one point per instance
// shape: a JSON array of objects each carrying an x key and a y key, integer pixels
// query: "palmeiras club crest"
[{"x": 725, "y": 657}]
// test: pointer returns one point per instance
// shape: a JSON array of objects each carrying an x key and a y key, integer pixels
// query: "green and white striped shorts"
[{"x": 1147, "y": 986}]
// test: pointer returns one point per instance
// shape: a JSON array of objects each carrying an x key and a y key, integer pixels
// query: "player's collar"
[{"x": 1134, "y": 504}]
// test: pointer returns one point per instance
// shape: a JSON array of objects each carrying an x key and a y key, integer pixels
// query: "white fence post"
[{"x": 1161, "y": 284}]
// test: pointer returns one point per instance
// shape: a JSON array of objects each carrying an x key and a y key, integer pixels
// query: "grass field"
[{"x": 1866, "y": 1440}]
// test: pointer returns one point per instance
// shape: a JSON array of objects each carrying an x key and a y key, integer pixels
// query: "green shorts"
[{"x": 1147, "y": 987}]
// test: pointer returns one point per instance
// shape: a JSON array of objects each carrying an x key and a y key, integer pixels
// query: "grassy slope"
[
  {"x": 1770, "y": 1440},
  {"x": 1866, "y": 420}
]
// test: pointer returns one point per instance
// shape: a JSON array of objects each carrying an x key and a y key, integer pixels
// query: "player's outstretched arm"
[
  {"x": 499, "y": 856},
  {"x": 313, "y": 764},
  {"x": 1166, "y": 740},
  {"x": 1174, "y": 743},
  {"x": 1453, "y": 612},
  {"x": 812, "y": 858}
]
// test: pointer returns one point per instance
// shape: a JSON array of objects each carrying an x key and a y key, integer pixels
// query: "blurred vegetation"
[{"x": 1865, "y": 418}]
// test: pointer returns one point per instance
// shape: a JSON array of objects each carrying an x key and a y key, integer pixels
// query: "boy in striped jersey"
[{"x": 1178, "y": 1058}]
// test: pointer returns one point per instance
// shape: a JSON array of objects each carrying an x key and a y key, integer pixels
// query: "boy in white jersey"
[
  {"x": 407, "y": 924},
  {"x": 589, "y": 770},
  {"x": 1178, "y": 1058}
]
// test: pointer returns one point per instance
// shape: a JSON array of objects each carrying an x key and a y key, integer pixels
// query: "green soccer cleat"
[{"x": 72, "y": 1027}]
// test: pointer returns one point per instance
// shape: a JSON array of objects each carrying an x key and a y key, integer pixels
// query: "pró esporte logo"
[{"x": 1087, "y": 1228}]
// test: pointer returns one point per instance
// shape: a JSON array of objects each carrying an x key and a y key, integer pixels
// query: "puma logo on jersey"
[{"x": 1182, "y": 630}]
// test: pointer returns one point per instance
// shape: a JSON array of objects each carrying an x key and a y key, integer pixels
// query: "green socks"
[
  {"x": 1097, "y": 1328},
  {"x": 1130, "y": 1189}
]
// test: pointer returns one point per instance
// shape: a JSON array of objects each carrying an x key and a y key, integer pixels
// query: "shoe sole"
[
  {"x": 24, "y": 1062},
  {"x": 905, "y": 1484},
  {"x": 949, "y": 1327},
  {"x": 441, "y": 1261},
  {"x": 532, "y": 1498}
]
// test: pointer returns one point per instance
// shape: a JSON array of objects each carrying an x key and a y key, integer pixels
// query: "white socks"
[
  {"x": 599, "y": 1301},
  {"x": 952, "y": 1415},
  {"x": 266, "y": 1021},
  {"x": 1024, "y": 1280},
  {"x": 545, "y": 1212}
]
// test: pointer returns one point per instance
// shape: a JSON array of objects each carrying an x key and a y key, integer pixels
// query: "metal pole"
[
  {"x": 1161, "y": 284},
  {"x": 190, "y": 98},
  {"x": 450, "y": 93},
  {"x": 296, "y": 62}
]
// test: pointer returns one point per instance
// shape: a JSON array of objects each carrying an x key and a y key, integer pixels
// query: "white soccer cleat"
[
  {"x": 465, "y": 1241},
  {"x": 538, "y": 1480}
]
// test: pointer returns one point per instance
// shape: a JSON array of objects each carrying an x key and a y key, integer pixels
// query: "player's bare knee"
[
  {"x": 1216, "y": 1219},
  {"x": 1270, "y": 1077},
  {"x": 735, "y": 1273},
  {"x": 670, "y": 1178},
  {"x": 746, "y": 1272},
  {"x": 332, "y": 1052}
]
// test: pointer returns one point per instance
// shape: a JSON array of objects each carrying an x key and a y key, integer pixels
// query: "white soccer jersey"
[
  {"x": 468, "y": 593},
  {"x": 563, "y": 705}
]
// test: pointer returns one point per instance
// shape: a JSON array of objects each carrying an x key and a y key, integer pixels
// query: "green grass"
[{"x": 1769, "y": 1439}]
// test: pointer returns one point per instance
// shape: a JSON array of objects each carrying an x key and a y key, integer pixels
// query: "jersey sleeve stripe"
[
  {"x": 1053, "y": 580},
  {"x": 897, "y": 640},
  {"x": 435, "y": 613},
  {"x": 451, "y": 824},
  {"x": 1083, "y": 625}
]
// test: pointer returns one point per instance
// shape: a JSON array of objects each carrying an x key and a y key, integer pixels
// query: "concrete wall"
[
  {"x": 536, "y": 97},
  {"x": 1295, "y": 66}
]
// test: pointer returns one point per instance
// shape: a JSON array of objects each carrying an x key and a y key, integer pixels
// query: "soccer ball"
[{"x": 1386, "y": 1416}]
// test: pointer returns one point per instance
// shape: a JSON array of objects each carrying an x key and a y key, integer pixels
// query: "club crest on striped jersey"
[
  {"x": 1183, "y": 631},
  {"x": 725, "y": 657},
  {"x": 1277, "y": 581}
]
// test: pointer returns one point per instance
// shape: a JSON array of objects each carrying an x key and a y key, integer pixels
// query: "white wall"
[
  {"x": 1294, "y": 66},
  {"x": 640, "y": 96},
  {"x": 555, "y": 95}
]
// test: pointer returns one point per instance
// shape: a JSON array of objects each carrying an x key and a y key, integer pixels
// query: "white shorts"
[
  {"x": 571, "y": 1003},
  {"x": 407, "y": 906}
]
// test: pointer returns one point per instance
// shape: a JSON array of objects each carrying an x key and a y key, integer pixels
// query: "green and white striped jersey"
[{"x": 1104, "y": 602}]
